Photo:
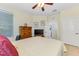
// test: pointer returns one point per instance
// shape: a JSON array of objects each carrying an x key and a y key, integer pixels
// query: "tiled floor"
[{"x": 71, "y": 50}]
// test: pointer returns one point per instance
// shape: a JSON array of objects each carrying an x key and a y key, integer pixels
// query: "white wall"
[{"x": 38, "y": 19}]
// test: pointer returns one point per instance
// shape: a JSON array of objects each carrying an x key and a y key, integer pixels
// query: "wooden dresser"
[{"x": 25, "y": 32}]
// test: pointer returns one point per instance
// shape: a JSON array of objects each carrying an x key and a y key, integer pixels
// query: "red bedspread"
[{"x": 6, "y": 47}]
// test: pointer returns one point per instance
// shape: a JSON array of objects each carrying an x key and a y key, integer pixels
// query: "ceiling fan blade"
[
  {"x": 42, "y": 8},
  {"x": 34, "y": 6},
  {"x": 49, "y": 3}
]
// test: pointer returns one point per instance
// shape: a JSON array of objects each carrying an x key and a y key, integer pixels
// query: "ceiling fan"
[{"x": 41, "y": 5}]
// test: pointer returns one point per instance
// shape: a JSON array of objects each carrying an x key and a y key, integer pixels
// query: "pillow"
[{"x": 6, "y": 47}]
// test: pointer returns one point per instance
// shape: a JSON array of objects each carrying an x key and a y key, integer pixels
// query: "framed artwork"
[
  {"x": 35, "y": 24},
  {"x": 42, "y": 23}
]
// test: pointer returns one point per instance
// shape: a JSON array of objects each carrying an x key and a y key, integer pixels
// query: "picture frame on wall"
[
  {"x": 35, "y": 24},
  {"x": 42, "y": 23}
]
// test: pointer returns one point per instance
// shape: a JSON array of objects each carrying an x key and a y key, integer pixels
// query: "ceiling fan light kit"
[{"x": 41, "y": 5}]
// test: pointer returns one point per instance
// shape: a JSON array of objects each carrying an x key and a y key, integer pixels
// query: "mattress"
[{"x": 39, "y": 46}]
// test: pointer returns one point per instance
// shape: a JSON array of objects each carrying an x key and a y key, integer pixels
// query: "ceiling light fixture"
[{"x": 41, "y": 5}]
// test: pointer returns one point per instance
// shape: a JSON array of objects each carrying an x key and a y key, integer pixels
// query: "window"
[{"x": 6, "y": 24}]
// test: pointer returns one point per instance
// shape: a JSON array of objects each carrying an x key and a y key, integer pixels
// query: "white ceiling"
[{"x": 49, "y": 10}]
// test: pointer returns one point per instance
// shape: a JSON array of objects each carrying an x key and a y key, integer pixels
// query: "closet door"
[
  {"x": 70, "y": 30},
  {"x": 76, "y": 31}
]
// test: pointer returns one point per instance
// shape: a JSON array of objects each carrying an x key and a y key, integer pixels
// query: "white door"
[
  {"x": 70, "y": 30},
  {"x": 50, "y": 30},
  {"x": 76, "y": 31}
]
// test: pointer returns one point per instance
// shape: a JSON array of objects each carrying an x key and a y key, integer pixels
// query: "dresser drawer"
[{"x": 25, "y": 32}]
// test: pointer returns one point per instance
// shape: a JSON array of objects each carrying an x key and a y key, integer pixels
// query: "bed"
[{"x": 39, "y": 46}]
